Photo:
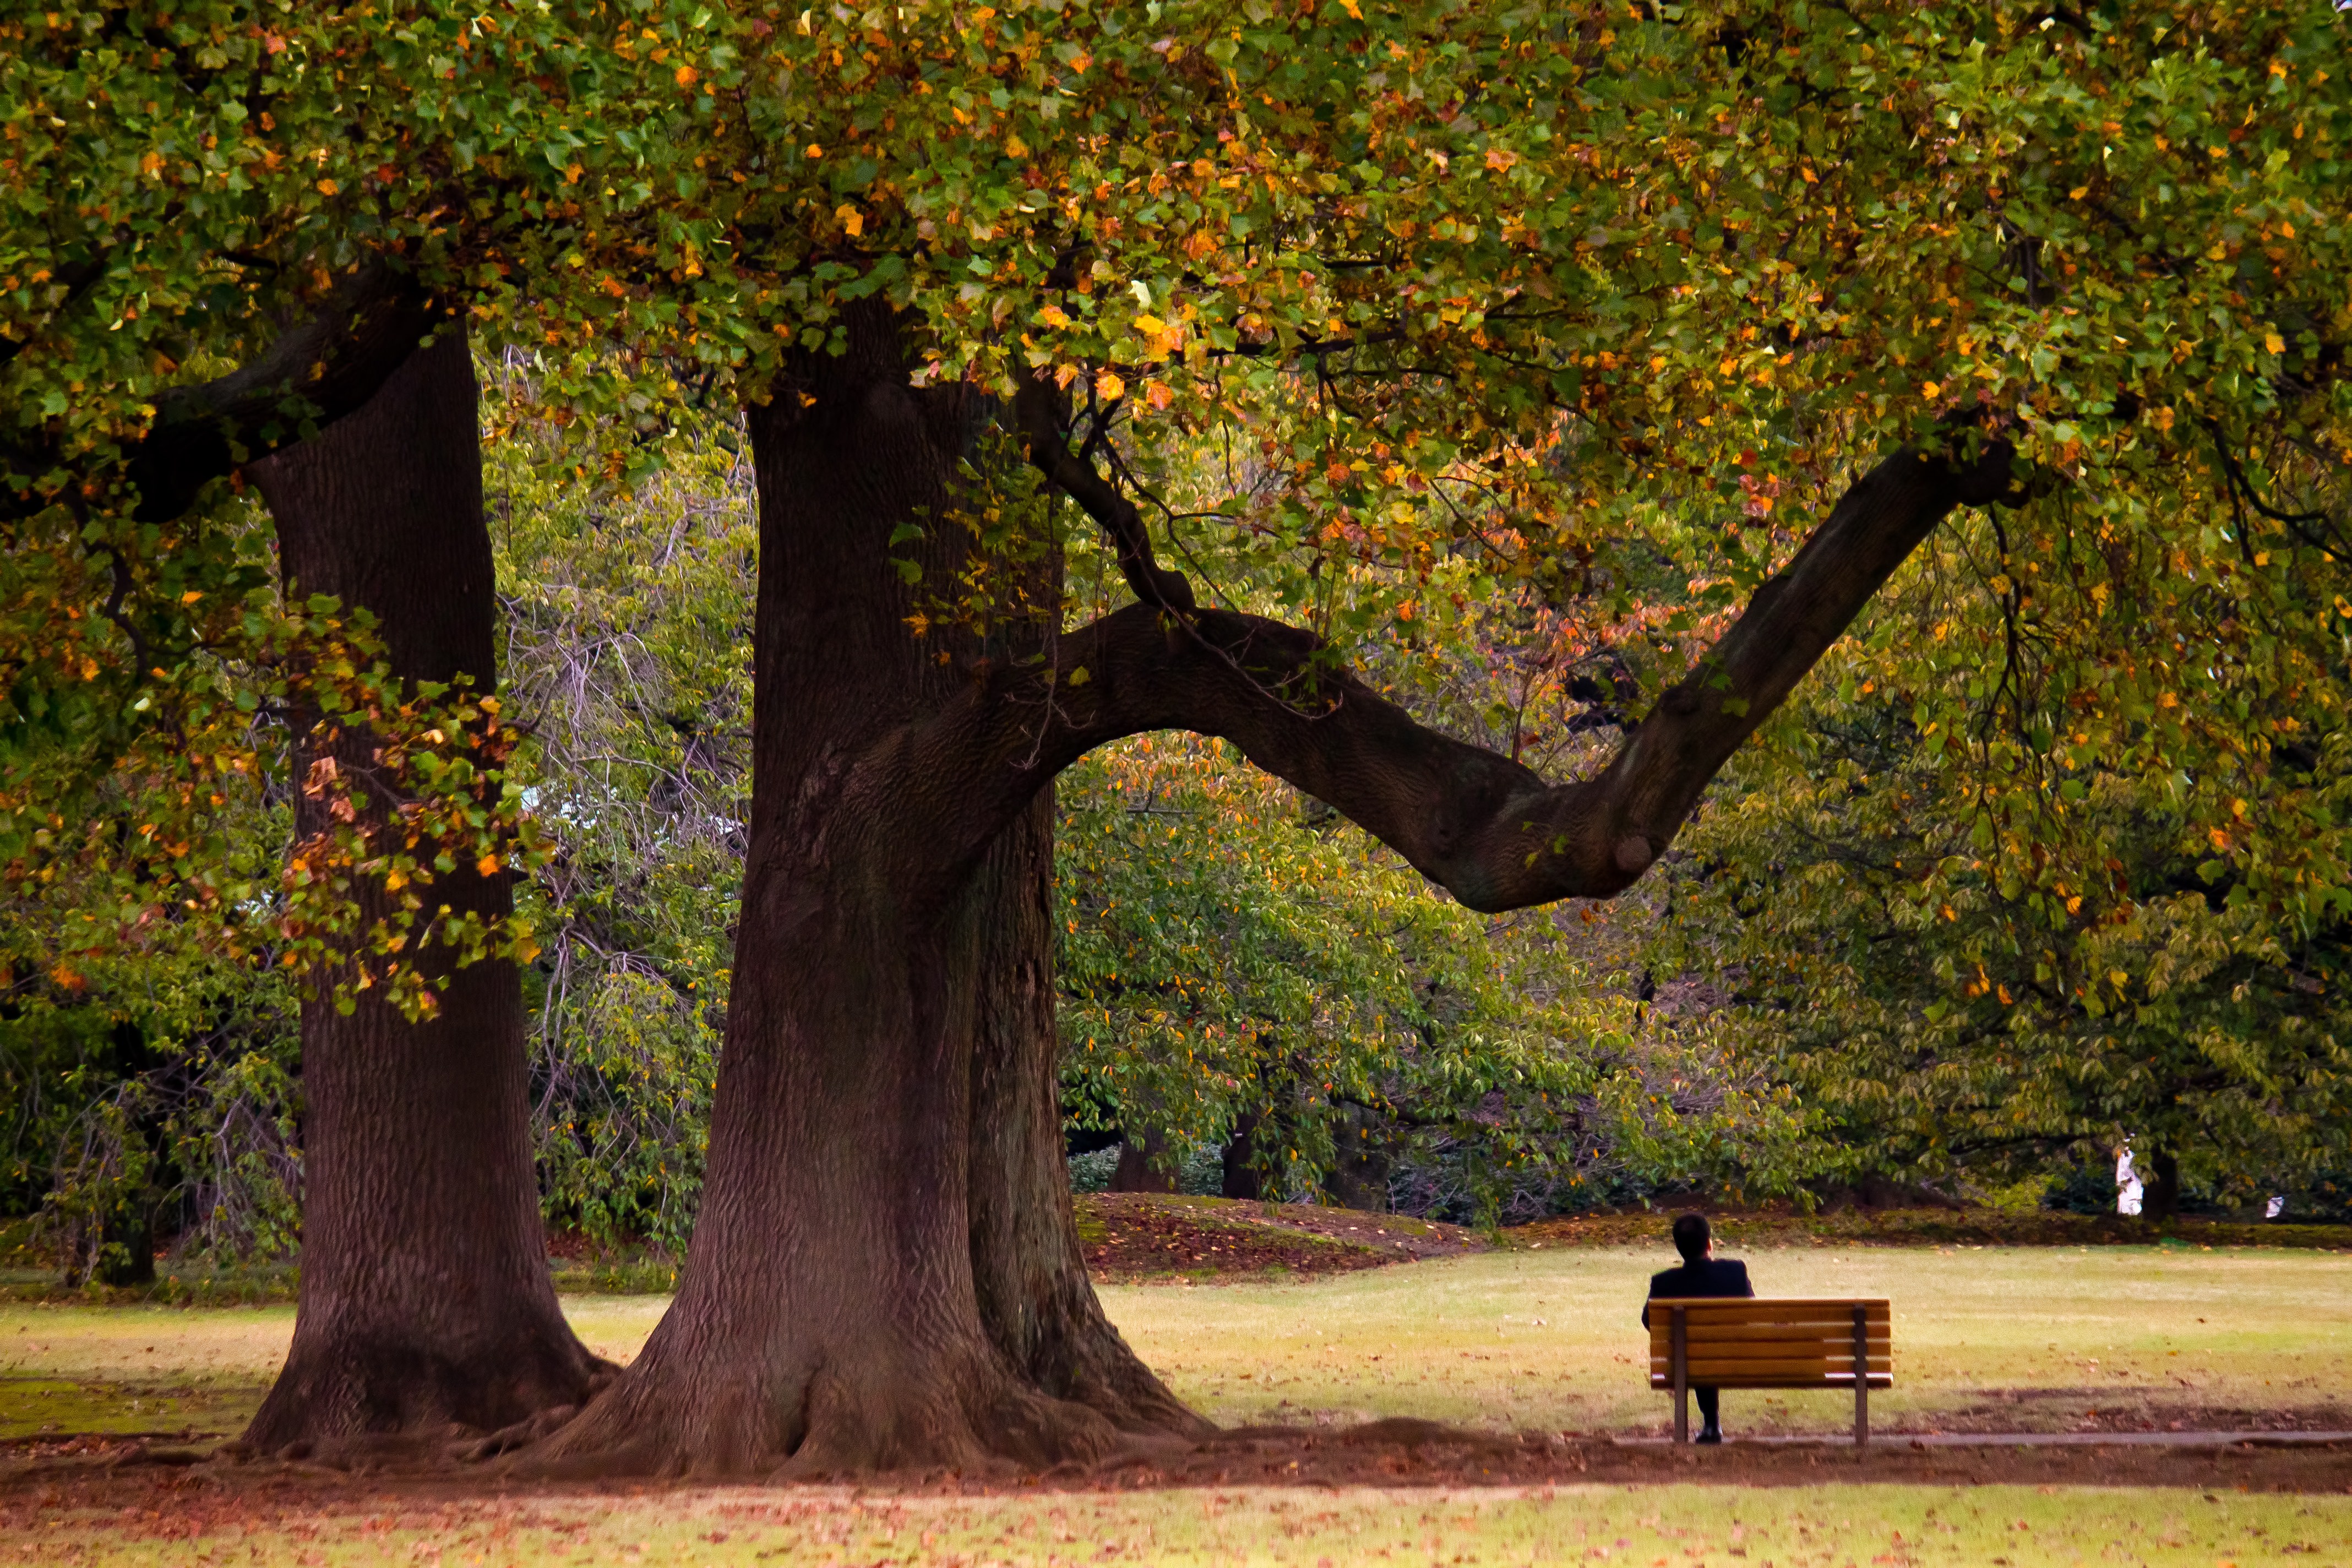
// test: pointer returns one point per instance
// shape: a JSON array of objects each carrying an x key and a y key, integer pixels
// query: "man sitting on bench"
[{"x": 1701, "y": 1273}]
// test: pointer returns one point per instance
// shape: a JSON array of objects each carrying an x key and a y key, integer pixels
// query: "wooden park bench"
[{"x": 1728, "y": 1343}]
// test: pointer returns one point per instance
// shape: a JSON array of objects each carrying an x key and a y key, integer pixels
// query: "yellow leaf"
[
  {"x": 851, "y": 219},
  {"x": 686, "y": 76},
  {"x": 1352, "y": 9},
  {"x": 488, "y": 864},
  {"x": 2276, "y": 344},
  {"x": 1015, "y": 148},
  {"x": 1109, "y": 386},
  {"x": 2078, "y": 193},
  {"x": 1054, "y": 316},
  {"x": 191, "y": 596},
  {"x": 327, "y": 187}
]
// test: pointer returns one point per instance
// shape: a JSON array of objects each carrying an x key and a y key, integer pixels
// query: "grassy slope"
[
  {"x": 1828, "y": 1524},
  {"x": 2062, "y": 1331}
]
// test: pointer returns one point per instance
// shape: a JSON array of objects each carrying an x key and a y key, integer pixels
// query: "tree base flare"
[
  {"x": 342, "y": 1403},
  {"x": 871, "y": 1414}
]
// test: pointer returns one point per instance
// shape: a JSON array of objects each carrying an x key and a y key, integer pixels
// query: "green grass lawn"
[
  {"x": 1998, "y": 1338},
  {"x": 2016, "y": 1339},
  {"x": 2013, "y": 1338},
  {"x": 1688, "y": 1526}
]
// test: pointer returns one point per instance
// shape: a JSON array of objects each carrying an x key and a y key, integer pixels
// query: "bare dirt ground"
[
  {"x": 1140, "y": 1238},
  {"x": 149, "y": 1489}
]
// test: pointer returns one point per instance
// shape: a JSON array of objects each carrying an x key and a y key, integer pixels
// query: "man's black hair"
[{"x": 1691, "y": 1236}]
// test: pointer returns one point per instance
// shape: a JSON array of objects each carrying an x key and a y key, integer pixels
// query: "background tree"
[{"x": 1304, "y": 1000}]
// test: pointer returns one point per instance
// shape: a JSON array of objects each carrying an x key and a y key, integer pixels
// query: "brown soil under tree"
[
  {"x": 425, "y": 1301},
  {"x": 883, "y": 1271}
]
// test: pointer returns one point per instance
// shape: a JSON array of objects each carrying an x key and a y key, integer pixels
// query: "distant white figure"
[
  {"x": 2275, "y": 1207},
  {"x": 2126, "y": 1183}
]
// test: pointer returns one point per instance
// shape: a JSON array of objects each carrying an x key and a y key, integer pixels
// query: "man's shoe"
[{"x": 1710, "y": 1435}]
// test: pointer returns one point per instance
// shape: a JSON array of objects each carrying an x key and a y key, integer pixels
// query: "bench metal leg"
[
  {"x": 1682, "y": 1374},
  {"x": 1861, "y": 1376}
]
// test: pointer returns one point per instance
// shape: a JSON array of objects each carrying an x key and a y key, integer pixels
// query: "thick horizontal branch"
[
  {"x": 317, "y": 371},
  {"x": 1492, "y": 832},
  {"x": 326, "y": 367}
]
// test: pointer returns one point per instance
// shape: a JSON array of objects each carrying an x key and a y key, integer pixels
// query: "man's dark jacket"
[{"x": 1707, "y": 1277}]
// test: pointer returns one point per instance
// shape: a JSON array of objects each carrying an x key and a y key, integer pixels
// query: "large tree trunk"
[
  {"x": 882, "y": 1273},
  {"x": 425, "y": 1301}
]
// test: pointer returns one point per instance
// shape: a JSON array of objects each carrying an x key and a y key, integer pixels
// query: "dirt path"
[{"x": 159, "y": 1488}]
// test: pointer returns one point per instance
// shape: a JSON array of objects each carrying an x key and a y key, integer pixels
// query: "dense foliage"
[
  {"x": 1530, "y": 337},
  {"x": 1295, "y": 991}
]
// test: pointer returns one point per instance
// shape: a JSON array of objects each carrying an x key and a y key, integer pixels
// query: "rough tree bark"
[
  {"x": 1243, "y": 1179},
  {"x": 831, "y": 1314},
  {"x": 425, "y": 1303}
]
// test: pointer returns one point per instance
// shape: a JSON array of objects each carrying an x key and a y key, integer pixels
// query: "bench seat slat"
[
  {"x": 1771, "y": 1357},
  {"x": 1739, "y": 1309},
  {"x": 1706, "y": 1346},
  {"x": 1812, "y": 1356},
  {"x": 1745, "y": 1380}
]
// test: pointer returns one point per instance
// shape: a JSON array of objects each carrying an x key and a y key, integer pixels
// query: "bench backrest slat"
[{"x": 1773, "y": 1342}]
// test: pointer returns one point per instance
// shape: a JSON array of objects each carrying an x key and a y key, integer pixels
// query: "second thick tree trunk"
[
  {"x": 425, "y": 1303},
  {"x": 884, "y": 1272}
]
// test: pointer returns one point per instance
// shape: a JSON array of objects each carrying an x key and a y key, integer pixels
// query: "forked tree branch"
[
  {"x": 320, "y": 370},
  {"x": 1037, "y": 411},
  {"x": 1489, "y": 830}
]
